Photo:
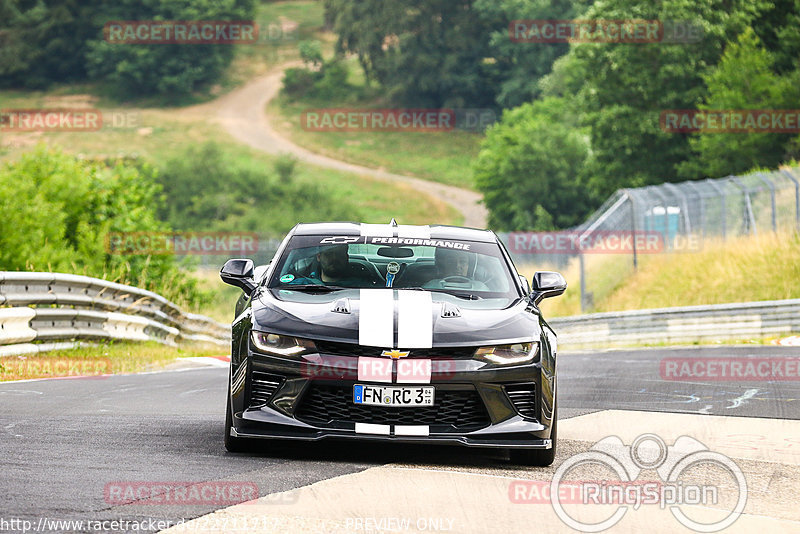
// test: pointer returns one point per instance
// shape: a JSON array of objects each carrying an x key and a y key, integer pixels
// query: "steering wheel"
[{"x": 457, "y": 280}]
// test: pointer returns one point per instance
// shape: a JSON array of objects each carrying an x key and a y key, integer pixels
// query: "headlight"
[
  {"x": 281, "y": 345},
  {"x": 508, "y": 354}
]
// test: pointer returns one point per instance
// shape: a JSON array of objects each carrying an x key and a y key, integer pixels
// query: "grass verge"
[
  {"x": 438, "y": 156},
  {"x": 749, "y": 268}
]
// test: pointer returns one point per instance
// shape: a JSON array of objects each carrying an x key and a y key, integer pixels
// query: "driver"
[
  {"x": 334, "y": 264},
  {"x": 451, "y": 263},
  {"x": 335, "y": 269}
]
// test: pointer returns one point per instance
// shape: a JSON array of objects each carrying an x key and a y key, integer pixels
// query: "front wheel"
[
  {"x": 233, "y": 444},
  {"x": 538, "y": 457}
]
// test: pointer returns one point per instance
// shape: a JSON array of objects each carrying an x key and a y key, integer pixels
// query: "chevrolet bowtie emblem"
[{"x": 395, "y": 354}]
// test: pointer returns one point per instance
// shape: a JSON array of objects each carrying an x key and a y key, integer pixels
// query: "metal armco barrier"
[
  {"x": 689, "y": 324},
  {"x": 53, "y": 307}
]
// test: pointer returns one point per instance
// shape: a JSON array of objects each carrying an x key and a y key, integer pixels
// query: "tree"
[
  {"x": 520, "y": 66},
  {"x": 529, "y": 165},
  {"x": 42, "y": 43},
  {"x": 743, "y": 79},
  {"x": 58, "y": 211},
  {"x": 425, "y": 53},
  {"x": 630, "y": 84},
  {"x": 173, "y": 70}
]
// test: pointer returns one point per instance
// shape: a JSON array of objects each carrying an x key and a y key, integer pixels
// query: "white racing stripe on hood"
[
  {"x": 402, "y": 230},
  {"x": 417, "y": 232},
  {"x": 376, "y": 318},
  {"x": 414, "y": 320},
  {"x": 377, "y": 230}
]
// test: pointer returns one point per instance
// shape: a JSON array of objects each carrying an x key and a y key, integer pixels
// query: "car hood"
[{"x": 389, "y": 318}]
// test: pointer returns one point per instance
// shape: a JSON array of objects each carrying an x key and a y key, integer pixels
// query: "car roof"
[{"x": 398, "y": 230}]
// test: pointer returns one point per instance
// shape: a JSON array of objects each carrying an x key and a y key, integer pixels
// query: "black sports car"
[{"x": 393, "y": 332}]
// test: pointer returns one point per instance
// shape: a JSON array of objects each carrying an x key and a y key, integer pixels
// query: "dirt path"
[{"x": 242, "y": 113}]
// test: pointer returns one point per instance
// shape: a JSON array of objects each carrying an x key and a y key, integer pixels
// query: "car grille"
[
  {"x": 523, "y": 397},
  {"x": 352, "y": 349},
  {"x": 327, "y": 405},
  {"x": 263, "y": 387}
]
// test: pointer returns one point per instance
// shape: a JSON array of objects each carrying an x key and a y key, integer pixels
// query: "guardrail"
[
  {"x": 53, "y": 307},
  {"x": 689, "y": 324}
]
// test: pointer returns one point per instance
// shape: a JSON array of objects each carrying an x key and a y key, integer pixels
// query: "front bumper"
[{"x": 476, "y": 404}]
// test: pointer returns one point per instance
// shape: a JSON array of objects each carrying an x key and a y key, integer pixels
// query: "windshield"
[{"x": 471, "y": 268}]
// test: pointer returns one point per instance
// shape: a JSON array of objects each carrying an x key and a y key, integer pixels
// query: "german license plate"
[{"x": 393, "y": 395}]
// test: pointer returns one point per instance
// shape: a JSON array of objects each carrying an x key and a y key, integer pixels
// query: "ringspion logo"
[{"x": 677, "y": 487}]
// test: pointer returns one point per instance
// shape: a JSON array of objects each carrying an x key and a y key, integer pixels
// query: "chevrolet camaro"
[{"x": 388, "y": 332}]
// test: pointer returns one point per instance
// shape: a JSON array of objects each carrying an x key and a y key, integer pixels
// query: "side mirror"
[
  {"x": 547, "y": 284},
  {"x": 239, "y": 273},
  {"x": 525, "y": 285}
]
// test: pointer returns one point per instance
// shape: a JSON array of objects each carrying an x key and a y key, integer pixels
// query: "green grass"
[
  {"x": 162, "y": 135},
  {"x": 105, "y": 358},
  {"x": 439, "y": 156},
  {"x": 751, "y": 268}
]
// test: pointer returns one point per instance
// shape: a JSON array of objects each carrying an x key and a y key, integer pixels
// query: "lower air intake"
[
  {"x": 264, "y": 386},
  {"x": 523, "y": 397}
]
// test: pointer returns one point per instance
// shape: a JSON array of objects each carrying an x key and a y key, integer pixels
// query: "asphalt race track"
[{"x": 64, "y": 440}]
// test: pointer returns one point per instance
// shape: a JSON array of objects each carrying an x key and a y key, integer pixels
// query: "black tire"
[
  {"x": 233, "y": 444},
  {"x": 538, "y": 457}
]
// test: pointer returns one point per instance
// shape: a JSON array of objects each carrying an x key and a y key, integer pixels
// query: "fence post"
[
  {"x": 702, "y": 200},
  {"x": 633, "y": 228},
  {"x": 772, "y": 199},
  {"x": 750, "y": 219},
  {"x": 686, "y": 222},
  {"x": 724, "y": 195},
  {"x": 666, "y": 215}
]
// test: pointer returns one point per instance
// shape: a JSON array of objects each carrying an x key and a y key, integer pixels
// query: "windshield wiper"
[
  {"x": 312, "y": 287},
  {"x": 466, "y": 296}
]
